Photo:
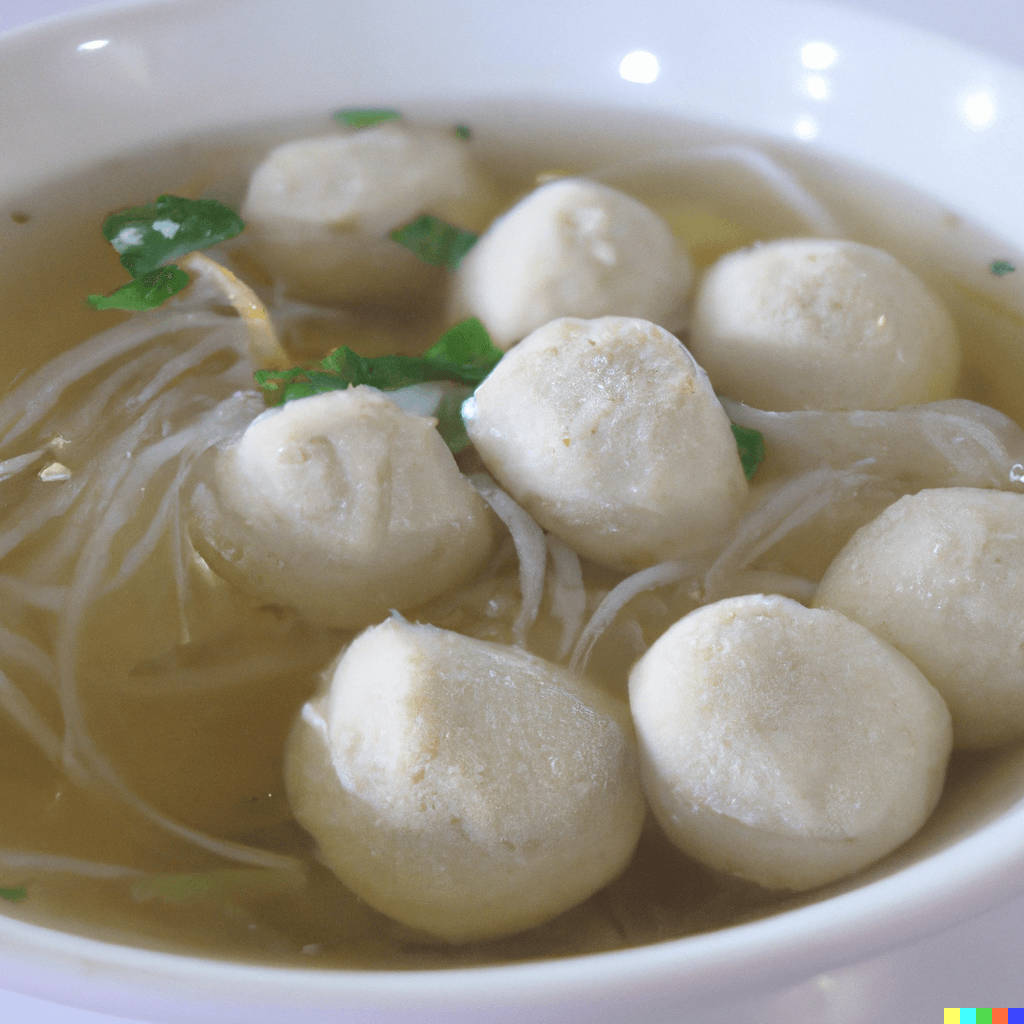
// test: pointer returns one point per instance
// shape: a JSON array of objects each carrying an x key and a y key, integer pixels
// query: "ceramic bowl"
[{"x": 80, "y": 91}]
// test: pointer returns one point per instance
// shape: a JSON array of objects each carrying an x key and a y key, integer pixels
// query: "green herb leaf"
[
  {"x": 355, "y": 117},
  {"x": 464, "y": 354},
  {"x": 463, "y": 132},
  {"x": 15, "y": 894},
  {"x": 435, "y": 242},
  {"x": 750, "y": 443},
  {"x": 146, "y": 292},
  {"x": 467, "y": 346},
  {"x": 1001, "y": 267},
  {"x": 149, "y": 236},
  {"x": 214, "y": 886}
]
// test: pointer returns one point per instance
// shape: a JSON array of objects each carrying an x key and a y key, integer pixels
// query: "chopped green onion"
[
  {"x": 435, "y": 242},
  {"x": 1001, "y": 267},
  {"x": 146, "y": 292},
  {"x": 15, "y": 894},
  {"x": 355, "y": 117},
  {"x": 750, "y": 443},
  {"x": 147, "y": 237},
  {"x": 463, "y": 131}
]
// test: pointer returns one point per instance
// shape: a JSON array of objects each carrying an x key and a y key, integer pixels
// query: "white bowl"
[{"x": 80, "y": 90}]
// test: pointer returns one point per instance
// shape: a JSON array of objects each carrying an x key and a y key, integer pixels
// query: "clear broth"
[{"x": 177, "y": 754}]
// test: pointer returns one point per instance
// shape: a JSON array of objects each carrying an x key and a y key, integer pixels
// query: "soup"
[{"x": 149, "y": 703}]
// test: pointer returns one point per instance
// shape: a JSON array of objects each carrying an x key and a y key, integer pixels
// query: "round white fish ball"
[
  {"x": 572, "y": 247},
  {"x": 464, "y": 788},
  {"x": 940, "y": 575},
  {"x": 822, "y": 324},
  {"x": 319, "y": 211},
  {"x": 611, "y": 437},
  {"x": 343, "y": 506},
  {"x": 784, "y": 744}
]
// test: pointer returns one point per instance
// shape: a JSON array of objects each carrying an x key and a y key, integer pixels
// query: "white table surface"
[{"x": 977, "y": 963}]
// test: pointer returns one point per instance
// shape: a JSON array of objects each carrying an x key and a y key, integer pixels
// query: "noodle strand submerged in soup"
[{"x": 146, "y": 702}]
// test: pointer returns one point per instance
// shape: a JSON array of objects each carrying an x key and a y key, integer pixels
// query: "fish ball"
[
  {"x": 785, "y": 744},
  {"x": 822, "y": 324},
  {"x": 572, "y": 248},
  {"x": 940, "y": 575},
  {"x": 319, "y": 211},
  {"x": 343, "y": 506},
  {"x": 464, "y": 788},
  {"x": 611, "y": 437}
]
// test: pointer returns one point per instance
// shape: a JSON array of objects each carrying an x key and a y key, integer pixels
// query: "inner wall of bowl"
[
  {"x": 897, "y": 99},
  {"x": 982, "y": 787},
  {"x": 899, "y": 104}
]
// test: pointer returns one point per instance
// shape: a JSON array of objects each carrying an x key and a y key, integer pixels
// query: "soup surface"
[{"x": 173, "y": 718}]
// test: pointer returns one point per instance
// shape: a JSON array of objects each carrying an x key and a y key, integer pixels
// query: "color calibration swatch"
[{"x": 983, "y": 1015}]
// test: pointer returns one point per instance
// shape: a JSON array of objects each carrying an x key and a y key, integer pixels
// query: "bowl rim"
[{"x": 701, "y": 968}]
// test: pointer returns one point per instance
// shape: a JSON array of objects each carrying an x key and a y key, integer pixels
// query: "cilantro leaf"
[
  {"x": 355, "y": 117},
  {"x": 1001, "y": 267},
  {"x": 15, "y": 894},
  {"x": 468, "y": 346},
  {"x": 146, "y": 237},
  {"x": 435, "y": 242},
  {"x": 750, "y": 443},
  {"x": 146, "y": 292},
  {"x": 464, "y": 354}
]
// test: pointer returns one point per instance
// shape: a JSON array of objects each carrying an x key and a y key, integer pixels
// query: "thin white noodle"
[
  {"x": 113, "y": 486},
  {"x": 20, "y": 710},
  {"x": 954, "y": 443},
  {"x": 21, "y": 650},
  {"x": 94, "y": 557},
  {"x": 531, "y": 550},
  {"x": 261, "y": 344},
  {"x": 633, "y": 634},
  {"x": 90, "y": 568},
  {"x": 91, "y": 565},
  {"x": 286, "y": 311},
  {"x": 204, "y": 679},
  {"x": 98, "y": 486},
  {"x": 169, "y": 508},
  {"x": 38, "y": 595},
  {"x": 102, "y": 479},
  {"x": 31, "y": 862},
  {"x": 568, "y": 595},
  {"x": 96, "y": 408},
  {"x": 182, "y": 552},
  {"x": 787, "y": 507},
  {"x": 144, "y": 547},
  {"x": 33, "y": 519},
  {"x": 96, "y": 483},
  {"x": 173, "y": 368},
  {"x": 660, "y": 575},
  {"x": 11, "y": 467},
  {"x": 38, "y": 394},
  {"x": 785, "y": 188},
  {"x": 781, "y": 181}
]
